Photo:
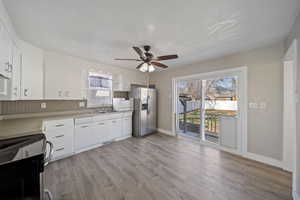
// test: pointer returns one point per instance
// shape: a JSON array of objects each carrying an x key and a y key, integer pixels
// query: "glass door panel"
[
  {"x": 221, "y": 110},
  {"x": 188, "y": 107}
]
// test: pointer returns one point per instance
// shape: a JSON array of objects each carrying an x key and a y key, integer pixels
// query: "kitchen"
[{"x": 76, "y": 103}]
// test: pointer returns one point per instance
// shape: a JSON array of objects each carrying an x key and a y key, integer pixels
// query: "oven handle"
[{"x": 48, "y": 159}]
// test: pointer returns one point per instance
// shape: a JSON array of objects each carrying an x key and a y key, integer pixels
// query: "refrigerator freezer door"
[{"x": 151, "y": 114}]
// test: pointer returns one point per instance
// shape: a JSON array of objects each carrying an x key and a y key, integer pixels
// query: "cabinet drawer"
[
  {"x": 58, "y": 124},
  {"x": 62, "y": 145},
  {"x": 61, "y": 151},
  {"x": 83, "y": 120},
  {"x": 108, "y": 116},
  {"x": 59, "y": 140}
]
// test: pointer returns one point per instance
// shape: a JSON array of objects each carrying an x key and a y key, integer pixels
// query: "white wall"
[
  {"x": 83, "y": 65},
  {"x": 265, "y": 84},
  {"x": 4, "y": 18},
  {"x": 295, "y": 34}
]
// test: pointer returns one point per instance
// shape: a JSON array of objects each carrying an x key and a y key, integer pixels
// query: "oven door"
[{"x": 20, "y": 180}]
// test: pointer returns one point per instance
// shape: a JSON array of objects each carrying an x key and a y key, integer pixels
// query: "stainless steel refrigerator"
[{"x": 144, "y": 115}]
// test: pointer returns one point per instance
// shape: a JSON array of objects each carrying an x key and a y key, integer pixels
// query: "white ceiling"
[{"x": 194, "y": 29}]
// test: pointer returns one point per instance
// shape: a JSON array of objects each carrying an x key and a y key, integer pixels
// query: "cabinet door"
[
  {"x": 54, "y": 77},
  {"x": 16, "y": 72},
  {"x": 102, "y": 131},
  {"x": 5, "y": 43},
  {"x": 73, "y": 88},
  {"x": 84, "y": 136},
  {"x": 127, "y": 126},
  {"x": 116, "y": 129},
  {"x": 62, "y": 77},
  {"x": 32, "y": 72}
]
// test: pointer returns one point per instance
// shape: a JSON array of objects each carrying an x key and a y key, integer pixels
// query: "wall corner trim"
[
  {"x": 264, "y": 159},
  {"x": 167, "y": 132},
  {"x": 295, "y": 195}
]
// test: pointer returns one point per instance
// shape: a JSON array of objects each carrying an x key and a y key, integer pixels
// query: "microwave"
[{"x": 99, "y": 81}]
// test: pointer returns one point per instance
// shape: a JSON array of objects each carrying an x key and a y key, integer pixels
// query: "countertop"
[{"x": 33, "y": 125}]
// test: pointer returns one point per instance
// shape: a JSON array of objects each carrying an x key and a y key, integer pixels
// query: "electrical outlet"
[
  {"x": 81, "y": 104},
  {"x": 43, "y": 105}
]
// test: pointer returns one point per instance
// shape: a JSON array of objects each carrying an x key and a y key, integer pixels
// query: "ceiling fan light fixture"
[
  {"x": 147, "y": 68},
  {"x": 151, "y": 68},
  {"x": 144, "y": 67}
]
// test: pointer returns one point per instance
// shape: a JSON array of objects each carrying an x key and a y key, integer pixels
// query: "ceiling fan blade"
[
  {"x": 139, "y": 51},
  {"x": 167, "y": 57},
  {"x": 157, "y": 64},
  {"x": 128, "y": 59},
  {"x": 140, "y": 65}
]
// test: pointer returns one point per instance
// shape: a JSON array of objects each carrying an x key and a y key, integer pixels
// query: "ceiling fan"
[{"x": 149, "y": 61}]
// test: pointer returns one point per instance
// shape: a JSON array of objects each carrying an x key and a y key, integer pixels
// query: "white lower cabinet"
[
  {"x": 87, "y": 132},
  {"x": 101, "y": 131},
  {"x": 127, "y": 127},
  {"x": 115, "y": 129},
  {"x": 84, "y": 136},
  {"x": 61, "y": 134}
]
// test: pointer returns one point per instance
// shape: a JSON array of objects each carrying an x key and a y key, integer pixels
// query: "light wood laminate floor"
[{"x": 165, "y": 168}]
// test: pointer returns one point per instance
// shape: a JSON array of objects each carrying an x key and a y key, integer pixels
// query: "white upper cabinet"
[
  {"x": 31, "y": 72},
  {"x": 121, "y": 83},
  {"x": 16, "y": 73},
  {"x": 5, "y": 48},
  {"x": 62, "y": 77}
]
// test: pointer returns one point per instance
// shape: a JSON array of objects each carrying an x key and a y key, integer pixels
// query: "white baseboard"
[
  {"x": 249, "y": 155},
  {"x": 296, "y": 196},
  {"x": 167, "y": 132},
  {"x": 264, "y": 159}
]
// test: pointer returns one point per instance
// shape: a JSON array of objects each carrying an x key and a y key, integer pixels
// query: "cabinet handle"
[
  {"x": 84, "y": 126},
  {"x": 59, "y": 125},
  {"x": 16, "y": 91},
  {"x": 10, "y": 68},
  {"x": 113, "y": 121},
  {"x": 7, "y": 67},
  {"x": 25, "y": 92},
  {"x": 59, "y": 136},
  {"x": 60, "y": 149},
  {"x": 101, "y": 124}
]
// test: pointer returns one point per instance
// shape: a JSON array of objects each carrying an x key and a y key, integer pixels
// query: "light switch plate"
[
  {"x": 262, "y": 105},
  {"x": 253, "y": 105},
  {"x": 81, "y": 104},
  {"x": 43, "y": 105}
]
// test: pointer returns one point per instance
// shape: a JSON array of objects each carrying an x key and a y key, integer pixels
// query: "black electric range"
[{"x": 22, "y": 161}]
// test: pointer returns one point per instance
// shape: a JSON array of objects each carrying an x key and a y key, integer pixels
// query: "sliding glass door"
[{"x": 208, "y": 108}]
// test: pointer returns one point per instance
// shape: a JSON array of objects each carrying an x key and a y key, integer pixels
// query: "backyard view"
[{"x": 220, "y": 100}]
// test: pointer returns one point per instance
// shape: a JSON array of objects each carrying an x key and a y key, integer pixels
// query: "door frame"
[
  {"x": 243, "y": 105},
  {"x": 289, "y": 104}
]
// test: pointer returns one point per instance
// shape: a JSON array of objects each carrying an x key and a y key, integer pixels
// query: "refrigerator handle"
[{"x": 148, "y": 111}]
